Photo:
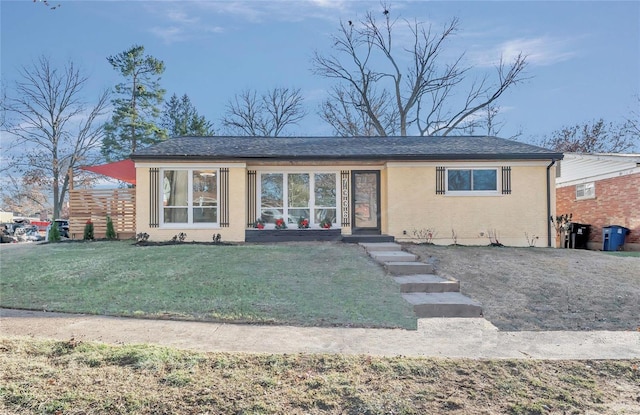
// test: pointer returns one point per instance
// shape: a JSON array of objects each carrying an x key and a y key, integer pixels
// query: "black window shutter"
[
  {"x": 440, "y": 172},
  {"x": 224, "y": 198},
  {"x": 506, "y": 180},
  {"x": 251, "y": 198},
  {"x": 154, "y": 197}
]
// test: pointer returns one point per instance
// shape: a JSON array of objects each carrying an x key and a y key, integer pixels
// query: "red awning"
[{"x": 124, "y": 170}]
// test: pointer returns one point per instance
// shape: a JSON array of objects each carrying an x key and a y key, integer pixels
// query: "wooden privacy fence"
[{"x": 96, "y": 205}]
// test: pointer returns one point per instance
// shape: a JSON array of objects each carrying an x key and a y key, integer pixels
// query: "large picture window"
[
  {"x": 472, "y": 180},
  {"x": 293, "y": 196},
  {"x": 190, "y": 196}
]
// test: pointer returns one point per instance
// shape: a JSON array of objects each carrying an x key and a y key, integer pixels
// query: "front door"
[{"x": 365, "y": 202}]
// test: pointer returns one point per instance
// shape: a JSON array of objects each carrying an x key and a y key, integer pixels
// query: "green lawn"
[
  {"x": 624, "y": 253},
  {"x": 319, "y": 284}
]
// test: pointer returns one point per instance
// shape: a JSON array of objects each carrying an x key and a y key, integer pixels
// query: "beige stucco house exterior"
[{"x": 459, "y": 189}]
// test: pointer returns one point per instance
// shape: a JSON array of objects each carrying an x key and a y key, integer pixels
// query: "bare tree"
[
  {"x": 632, "y": 127},
  {"x": 369, "y": 64},
  {"x": 53, "y": 129},
  {"x": 595, "y": 137},
  {"x": 488, "y": 123},
  {"x": 266, "y": 115},
  {"x": 22, "y": 197},
  {"x": 347, "y": 114},
  {"x": 49, "y": 5}
]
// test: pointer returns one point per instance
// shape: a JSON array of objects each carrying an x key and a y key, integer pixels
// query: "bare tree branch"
[
  {"x": 53, "y": 125},
  {"x": 365, "y": 62},
  {"x": 595, "y": 137},
  {"x": 268, "y": 115}
]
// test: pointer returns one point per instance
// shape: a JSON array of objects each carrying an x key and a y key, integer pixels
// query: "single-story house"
[
  {"x": 601, "y": 190},
  {"x": 463, "y": 189}
]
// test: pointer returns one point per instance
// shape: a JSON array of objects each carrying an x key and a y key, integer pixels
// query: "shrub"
[
  {"x": 54, "y": 233},
  {"x": 88, "y": 231},
  {"x": 111, "y": 232}
]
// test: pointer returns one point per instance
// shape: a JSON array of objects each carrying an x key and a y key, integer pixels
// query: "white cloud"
[
  {"x": 540, "y": 51},
  {"x": 180, "y": 16},
  {"x": 169, "y": 34}
]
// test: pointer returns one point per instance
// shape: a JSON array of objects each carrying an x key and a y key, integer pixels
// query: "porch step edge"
[
  {"x": 432, "y": 305},
  {"x": 408, "y": 268},
  {"x": 426, "y": 283}
]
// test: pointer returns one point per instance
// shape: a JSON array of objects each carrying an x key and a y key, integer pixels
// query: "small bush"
[
  {"x": 88, "y": 231},
  {"x": 111, "y": 232},
  {"x": 54, "y": 233}
]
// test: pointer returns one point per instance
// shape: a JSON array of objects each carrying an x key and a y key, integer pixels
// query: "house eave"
[{"x": 347, "y": 158}]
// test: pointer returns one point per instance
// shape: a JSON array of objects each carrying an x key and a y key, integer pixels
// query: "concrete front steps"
[
  {"x": 430, "y": 295},
  {"x": 443, "y": 305}
]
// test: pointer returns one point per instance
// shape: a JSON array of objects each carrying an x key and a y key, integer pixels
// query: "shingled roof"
[{"x": 343, "y": 148}]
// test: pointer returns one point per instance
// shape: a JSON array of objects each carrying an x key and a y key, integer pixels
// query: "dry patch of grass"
[
  {"x": 543, "y": 288},
  {"x": 71, "y": 377}
]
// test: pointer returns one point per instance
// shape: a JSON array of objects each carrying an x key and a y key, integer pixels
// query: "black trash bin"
[
  {"x": 578, "y": 235},
  {"x": 613, "y": 237}
]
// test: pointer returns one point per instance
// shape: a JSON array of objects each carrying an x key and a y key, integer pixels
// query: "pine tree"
[
  {"x": 54, "y": 233},
  {"x": 111, "y": 232},
  {"x": 180, "y": 118},
  {"x": 136, "y": 105}
]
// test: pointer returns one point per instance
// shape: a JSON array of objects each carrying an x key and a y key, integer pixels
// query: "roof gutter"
[{"x": 345, "y": 157}]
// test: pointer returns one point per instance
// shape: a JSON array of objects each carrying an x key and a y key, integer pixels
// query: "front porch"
[
  {"x": 292, "y": 235},
  {"x": 307, "y": 235}
]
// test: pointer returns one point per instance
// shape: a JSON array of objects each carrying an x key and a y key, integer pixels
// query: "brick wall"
[{"x": 617, "y": 202}]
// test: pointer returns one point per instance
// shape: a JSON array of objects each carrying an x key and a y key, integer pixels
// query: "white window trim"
[
  {"x": 312, "y": 195},
  {"x": 496, "y": 192},
  {"x": 586, "y": 186},
  {"x": 190, "y": 205}
]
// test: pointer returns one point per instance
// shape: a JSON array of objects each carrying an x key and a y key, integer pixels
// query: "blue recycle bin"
[{"x": 613, "y": 237}]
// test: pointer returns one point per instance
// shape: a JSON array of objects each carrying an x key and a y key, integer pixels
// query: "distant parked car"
[
  {"x": 6, "y": 233},
  {"x": 32, "y": 234},
  {"x": 63, "y": 227}
]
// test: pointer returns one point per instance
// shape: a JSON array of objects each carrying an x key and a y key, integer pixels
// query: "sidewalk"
[{"x": 474, "y": 338}]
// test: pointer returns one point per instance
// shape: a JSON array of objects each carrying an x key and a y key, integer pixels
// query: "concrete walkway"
[{"x": 435, "y": 337}]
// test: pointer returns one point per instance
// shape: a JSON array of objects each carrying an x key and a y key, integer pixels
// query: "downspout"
[{"x": 553, "y": 161}]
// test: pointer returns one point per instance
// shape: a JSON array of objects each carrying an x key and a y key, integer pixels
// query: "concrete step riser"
[
  {"x": 443, "y": 305},
  {"x": 446, "y": 310},
  {"x": 430, "y": 287},
  {"x": 388, "y": 256},
  {"x": 408, "y": 268}
]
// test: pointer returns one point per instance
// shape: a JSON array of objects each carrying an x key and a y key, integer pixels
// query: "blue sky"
[{"x": 584, "y": 56}]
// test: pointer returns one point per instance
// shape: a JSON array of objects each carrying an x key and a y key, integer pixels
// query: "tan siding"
[
  {"x": 414, "y": 205},
  {"x": 408, "y": 202},
  {"x": 237, "y": 208}
]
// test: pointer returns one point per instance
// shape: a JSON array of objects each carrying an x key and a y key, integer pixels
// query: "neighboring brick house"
[{"x": 601, "y": 190}]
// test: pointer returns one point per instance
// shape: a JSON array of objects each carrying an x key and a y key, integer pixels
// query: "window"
[
  {"x": 472, "y": 180},
  {"x": 293, "y": 196},
  {"x": 585, "y": 191},
  {"x": 190, "y": 197}
]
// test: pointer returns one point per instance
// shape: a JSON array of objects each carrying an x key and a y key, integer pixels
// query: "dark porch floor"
[{"x": 302, "y": 235}]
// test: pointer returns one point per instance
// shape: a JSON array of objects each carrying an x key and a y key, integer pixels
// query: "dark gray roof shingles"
[{"x": 343, "y": 148}]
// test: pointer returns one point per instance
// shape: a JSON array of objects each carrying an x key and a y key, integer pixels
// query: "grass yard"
[
  {"x": 635, "y": 254},
  {"x": 544, "y": 288},
  {"x": 47, "y": 377},
  {"x": 316, "y": 284}
]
